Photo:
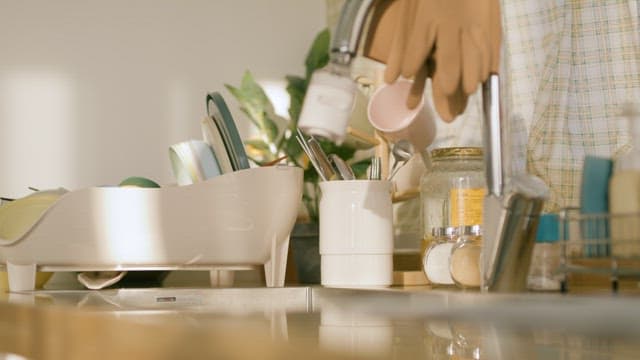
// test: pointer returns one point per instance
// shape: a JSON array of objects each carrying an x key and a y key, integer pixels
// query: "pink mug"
[{"x": 389, "y": 114}]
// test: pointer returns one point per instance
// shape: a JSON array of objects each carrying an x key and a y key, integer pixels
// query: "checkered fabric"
[{"x": 568, "y": 67}]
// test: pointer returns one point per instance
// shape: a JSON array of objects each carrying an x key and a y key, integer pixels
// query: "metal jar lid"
[
  {"x": 474, "y": 230},
  {"x": 458, "y": 152},
  {"x": 445, "y": 234},
  {"x": 448, "y": 231}
]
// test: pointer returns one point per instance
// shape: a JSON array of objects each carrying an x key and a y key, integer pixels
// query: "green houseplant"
[{"x": 276, "y": 135}]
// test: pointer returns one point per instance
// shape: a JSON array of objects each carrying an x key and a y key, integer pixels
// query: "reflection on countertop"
[{"x": 316, "y": 322}]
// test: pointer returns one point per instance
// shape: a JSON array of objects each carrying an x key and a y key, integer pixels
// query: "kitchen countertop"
[{"x": 316, "y": 322}]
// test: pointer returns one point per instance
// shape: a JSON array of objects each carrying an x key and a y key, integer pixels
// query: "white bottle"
[
  {"x": 624, "y": 194},
  {"x": 328, "y": 104}
]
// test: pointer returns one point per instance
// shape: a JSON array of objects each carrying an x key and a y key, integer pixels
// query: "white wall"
[{"x": 94, "y": 91}]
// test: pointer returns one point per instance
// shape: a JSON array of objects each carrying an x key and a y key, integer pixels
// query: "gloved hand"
[
  {"x": 462, "y": 36},
  {"x": 382, "y": 29},
  {"x": 395, "y": 59},
  {"x": 449, "y": 106},
  {"x": 404, "y": 23},
  {"x": 466, "y": 35}
]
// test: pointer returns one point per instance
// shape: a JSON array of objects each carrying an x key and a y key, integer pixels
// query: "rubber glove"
[
  {"x": 384, "y": 21},
  {"x": 467, "y": 36},
  {"x": 449, "y": 106},
  {"x": 404, "y": 22},
  {"x": 395, "y": 59}
]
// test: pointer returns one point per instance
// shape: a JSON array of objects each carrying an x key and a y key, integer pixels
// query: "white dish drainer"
[
  {"x": 237, "y": 221},
  {"x": 599, "y": 244}
]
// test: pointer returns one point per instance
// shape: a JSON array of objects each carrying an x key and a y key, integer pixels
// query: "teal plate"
[{"x": 218, "y": 111}]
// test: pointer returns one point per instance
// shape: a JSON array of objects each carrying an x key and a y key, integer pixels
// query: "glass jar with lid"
[
  {"x": 465, "y": 258},
  {"x": 435, "y": 261},
  {"x": 452, "y": 191}
]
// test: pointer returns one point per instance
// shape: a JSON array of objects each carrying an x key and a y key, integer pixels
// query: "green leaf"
[
  {"x": 259, "y": 151},
  {"x": 344, "y": 151},
  {"x": 258, "y": 101},
  {"x": 293, "y": 150},
  {"x": 296, "y": 88},
  {"x": 255, "y": 103},
  {"x": 246, "y": 105},
  {"x": 257, "y": 145},
  {"x": 318, "y": 55},
  {"x": 311, "y": 175}
]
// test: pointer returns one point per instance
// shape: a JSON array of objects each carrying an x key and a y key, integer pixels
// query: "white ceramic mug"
[
  {"x": 389, "y": 114},
  {"x": 193, "y": 161},
  {"x": 356, "y": 233},
  {"x": 327, "y": 106}
]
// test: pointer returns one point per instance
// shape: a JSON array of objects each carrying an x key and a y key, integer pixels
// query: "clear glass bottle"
[
  {"x": 465, "y": 258},
  {"x": 452, "y": 191},
  {"x": 545, "y": 262}
]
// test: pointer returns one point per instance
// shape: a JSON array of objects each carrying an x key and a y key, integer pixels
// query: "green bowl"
[{"x": 138, "y": 181}]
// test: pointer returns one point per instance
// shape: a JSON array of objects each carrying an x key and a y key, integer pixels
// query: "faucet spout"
[
  {"x": 331, "y": 93},
  {"x": 348, "y": 33}
]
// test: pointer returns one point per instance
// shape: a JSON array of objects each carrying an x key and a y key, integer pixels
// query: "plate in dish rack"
[
  {"x": 219, "y": 112},
  {"x": 212, "y": 136}
]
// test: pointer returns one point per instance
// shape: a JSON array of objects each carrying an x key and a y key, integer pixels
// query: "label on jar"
[{"x": 466, "y": 206}]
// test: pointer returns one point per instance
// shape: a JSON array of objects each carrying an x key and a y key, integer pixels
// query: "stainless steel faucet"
[
  {"x": 511, "y": 207},
  {"x": 331, "y": 93},
  {"x": 348, "y": 33}
]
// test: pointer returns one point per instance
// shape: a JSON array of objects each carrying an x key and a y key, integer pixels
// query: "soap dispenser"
[{"x": 624, "y": 193}]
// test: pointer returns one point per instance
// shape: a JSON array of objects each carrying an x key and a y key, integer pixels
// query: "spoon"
[{"x": 402, "y": 151}]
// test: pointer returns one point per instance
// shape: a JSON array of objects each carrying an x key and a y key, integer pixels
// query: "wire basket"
[{"x": 607, "y": 245}]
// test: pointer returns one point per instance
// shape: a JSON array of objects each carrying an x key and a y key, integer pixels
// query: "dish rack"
[
  {"x": 236, "y": 221},
  {"x": 605, "y": 245}
]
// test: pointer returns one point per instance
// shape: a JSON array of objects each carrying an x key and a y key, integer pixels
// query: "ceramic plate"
[
  {"x": 218, "y": 111},
  {"x": 213, "y": 137}
]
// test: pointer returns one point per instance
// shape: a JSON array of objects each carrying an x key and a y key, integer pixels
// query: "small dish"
[{"x": 193, "y": 161}]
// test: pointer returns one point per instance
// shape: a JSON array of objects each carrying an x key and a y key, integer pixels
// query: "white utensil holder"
[{"x": 356, "y": 233}]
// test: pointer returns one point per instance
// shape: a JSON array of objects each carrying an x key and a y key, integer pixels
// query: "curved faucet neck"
[{"x": 348, "y": 33}]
